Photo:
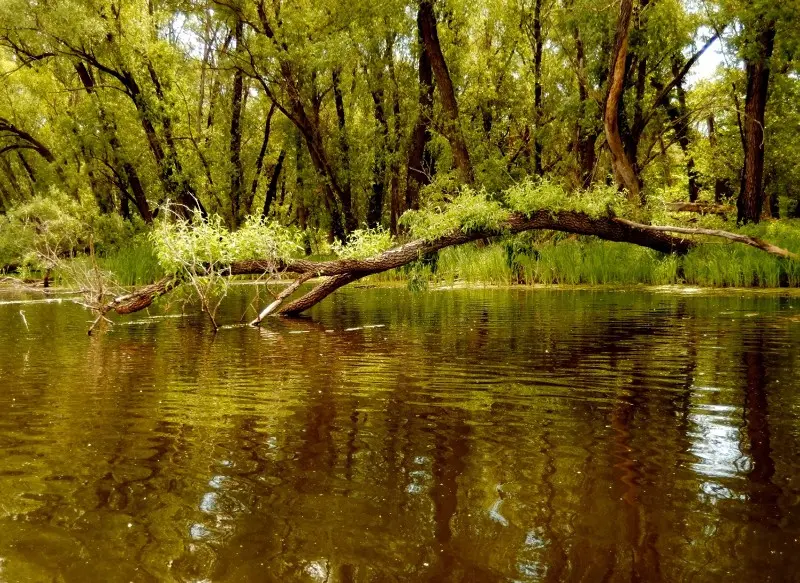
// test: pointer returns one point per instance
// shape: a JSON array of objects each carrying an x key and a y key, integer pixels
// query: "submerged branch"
[{"x": 289, "y": 290}]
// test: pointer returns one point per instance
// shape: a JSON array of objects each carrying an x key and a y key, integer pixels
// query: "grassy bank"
[
  {"x": 535, "y": 259},
  {"x": 570, "y": 260},
  {"x": 592, "y": 262}
]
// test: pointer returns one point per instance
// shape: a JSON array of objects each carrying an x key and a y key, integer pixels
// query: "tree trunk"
[
  {"x": 684, "y": 139},
  {"x": 538, "y": 45},
  {"x": 430, "y": 38},
  {"x": 343, "y": 271},
  {"x": 752, "y": 204},
  {"x": 418, "y": 174},
  {"x": 345, "y": 191},
  {"x": 261, "y": 154},
  {"x": 237, "y": 93},
  {"x": 375, "y": 205},
  {"x": 272, "y": 190},
  {"x": 623, "y": 167},
  {"x": 396, "y": 137},
  {"x": 585, "y": 137},
  {"x": 722, "y": 186},
  {"x": 679, "y": 120},
  {"x": 214, "y": 91},
  {"x": 128, "y": 174},
  {"x": 11, "y": 176},
  {"x": 172, "y": 170}
]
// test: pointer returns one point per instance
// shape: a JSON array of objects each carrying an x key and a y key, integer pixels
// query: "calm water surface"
[{"x": 473, "y": 435}]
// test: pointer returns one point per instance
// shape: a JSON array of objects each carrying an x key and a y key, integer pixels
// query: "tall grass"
[
  {"x": 593, "y": 262},
  {"x": 589, "y": 261},
  {"x": 488, "y": 265},
  {"x": 549, "y": 260},
  {"x": 133, "y": 264}
]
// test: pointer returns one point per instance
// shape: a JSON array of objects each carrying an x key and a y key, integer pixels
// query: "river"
[{"x": 451, "y": 435}]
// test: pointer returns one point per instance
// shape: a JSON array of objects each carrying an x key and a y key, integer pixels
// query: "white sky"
[{"x": 706, "y": 65}]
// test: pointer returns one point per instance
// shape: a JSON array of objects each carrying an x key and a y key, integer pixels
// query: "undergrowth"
[{"x": 577, "y": 260}]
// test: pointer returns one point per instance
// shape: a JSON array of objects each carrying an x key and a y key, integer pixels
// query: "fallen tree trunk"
[
  {"x": 702, "y": 208},
  {"x": 744, "y": 239},
  {"x": 340, "y": 272}
]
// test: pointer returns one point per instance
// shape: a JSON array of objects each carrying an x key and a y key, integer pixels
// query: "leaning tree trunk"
[
  {"x": 129, "y": 175},
  {"x": 237, "y": 99},
  {"x": 751, "y": 204},
  {"x": 622, "y": 164},
  {"x": 272, "y": 189},
  {"x": 430, "y": 38},
  {"x": 417, "y": 175}
]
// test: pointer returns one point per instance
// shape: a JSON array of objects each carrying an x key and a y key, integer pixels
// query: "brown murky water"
[{"x": 474, "y": 435}]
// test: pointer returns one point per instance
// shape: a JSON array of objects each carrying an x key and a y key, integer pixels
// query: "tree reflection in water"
[{"x": 477, "y": 435}]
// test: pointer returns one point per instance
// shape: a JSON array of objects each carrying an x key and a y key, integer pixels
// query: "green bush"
[{"x": 39, "y": 233}]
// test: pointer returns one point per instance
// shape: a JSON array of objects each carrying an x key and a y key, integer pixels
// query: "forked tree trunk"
[
  {"x": 430, "y": 38},
  {"x": 623, "y": 166}
]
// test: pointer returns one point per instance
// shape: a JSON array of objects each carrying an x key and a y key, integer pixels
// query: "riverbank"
[{"x": 570, "y": 262}]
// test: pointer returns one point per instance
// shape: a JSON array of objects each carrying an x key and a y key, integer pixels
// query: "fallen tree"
[
  {"x": 701, "y": 208},
  {"x": 340, "y": 272}
]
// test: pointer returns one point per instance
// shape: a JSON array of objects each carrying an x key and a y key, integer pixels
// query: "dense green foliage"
[{"x": 271, "y": 129}]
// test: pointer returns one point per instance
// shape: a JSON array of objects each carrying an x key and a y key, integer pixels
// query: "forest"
[
  {"x": 600, "y": 200},
  {"x": 169, "y": 140}
]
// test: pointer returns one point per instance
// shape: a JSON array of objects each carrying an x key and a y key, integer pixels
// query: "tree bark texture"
[
  {"x": 418, "y": 173},
  {"x": 237, "y": 94},
  {"x": 752, "y": 204},
  {"x": 430, "y": 38},
  {"x": 622, "y": 165},
  {"x": 272, "y": 189}
]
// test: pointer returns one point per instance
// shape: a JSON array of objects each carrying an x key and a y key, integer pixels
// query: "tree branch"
[{"x": 744, "y": 239}]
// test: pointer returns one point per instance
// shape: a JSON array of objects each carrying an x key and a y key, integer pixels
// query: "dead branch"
[
  {"x": 744, "y": 239},
  {"x": 703, "y": 208}
]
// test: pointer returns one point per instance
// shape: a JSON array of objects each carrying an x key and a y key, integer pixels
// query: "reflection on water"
[{"x": 485, "y": 435}]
